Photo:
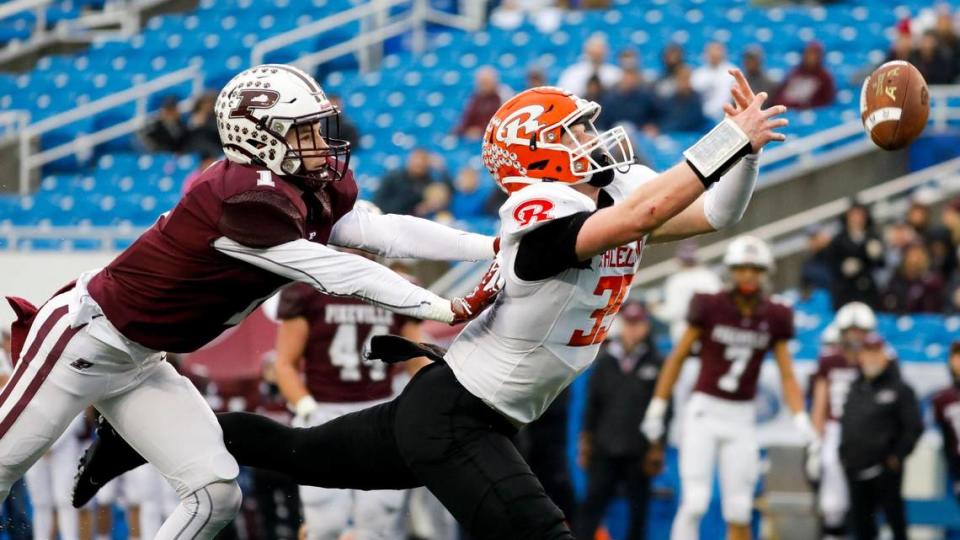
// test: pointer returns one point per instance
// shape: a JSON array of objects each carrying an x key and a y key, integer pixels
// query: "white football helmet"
[
  {"x": 748, "y": 251},
  {"x": 258, "y": 108},
  {"x": 855, "y": 315}
]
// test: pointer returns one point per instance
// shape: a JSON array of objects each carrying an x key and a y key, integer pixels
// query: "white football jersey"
[{"x": 524, "y": 350}]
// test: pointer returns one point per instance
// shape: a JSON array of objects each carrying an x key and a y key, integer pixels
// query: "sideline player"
[
  {"x": 572, "y": 229},
  {"x": 736, "y": 328},
  {"x": 251, "y": 224},
  {"x": 837, "y": 369},
  {"x": 327, "y": 335},
  {"x": 946, "y": 411}
]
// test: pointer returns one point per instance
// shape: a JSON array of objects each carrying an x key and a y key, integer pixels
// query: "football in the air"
[{"x": 894, "y": 105}]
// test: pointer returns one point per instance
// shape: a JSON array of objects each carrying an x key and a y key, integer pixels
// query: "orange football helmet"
[{"x": 524, "y": 141}]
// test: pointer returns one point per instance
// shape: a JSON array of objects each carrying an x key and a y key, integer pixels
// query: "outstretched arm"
[
  {"x": 792, "y": 395},
  {"x": 653, "y": 204},
  {"x": 655, "y": 419},
  {"x": 342, "y": 274},
  {"x": 726, "y": 201},
  {"x": 397, "y": 236}
]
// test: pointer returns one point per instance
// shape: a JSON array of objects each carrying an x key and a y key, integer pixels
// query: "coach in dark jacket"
[
  {"x": 881, "y": 424},
  {"x": 612, "y": 449}
]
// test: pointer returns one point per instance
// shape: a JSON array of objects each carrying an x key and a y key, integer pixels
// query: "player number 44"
[{"x": 346, "y": 355}]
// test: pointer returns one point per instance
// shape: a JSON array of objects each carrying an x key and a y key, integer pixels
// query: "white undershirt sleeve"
[
  {"x": 727, "y": 200},
  {"x": 397, "y": 236},
  {"x": 342, "y": 274}
]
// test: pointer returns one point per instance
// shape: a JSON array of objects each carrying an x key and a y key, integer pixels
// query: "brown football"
[{"x": 894, "y": 105}]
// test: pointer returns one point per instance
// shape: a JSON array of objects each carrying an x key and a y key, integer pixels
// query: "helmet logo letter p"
[{"x": 254, "y": 99}]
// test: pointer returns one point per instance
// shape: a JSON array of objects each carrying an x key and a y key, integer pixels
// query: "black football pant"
[
  {"x": 434, "y": 434},
  {"x": 605, "y": 475},
  {"x": 869, "y": 496}
]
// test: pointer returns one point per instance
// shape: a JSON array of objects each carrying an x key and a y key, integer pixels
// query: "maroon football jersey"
[
  {"x": 839, "y": 374},
  {"x": 732, "y": 346},
  {"x": 340, "y": 328},
  {"x": 946, "y": 410},
  {"x": 173, "y": 291}
]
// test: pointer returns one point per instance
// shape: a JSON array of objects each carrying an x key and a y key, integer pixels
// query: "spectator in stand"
[
  {"x": 808, "y": 85},
  {"x": 470, "y": 197},
  {"x": 611, "y": 447},
  {"x": 914, "y": 288},
  {"x": 901, "y": 49},
  {"x": 348, "y": 130},
  {"x": 943, "y": 256},
  {"x": 206, "y": 160},
  {"x": 691, "y": 278},
  {"x": 628, "y": 102},
  {"x": 880, "y": 426},
  {"x": 683, "y": 111},
  {"x": 402, "y": 190},
  {"x": 754, "y": 72},
  {"x": 628, "y": 60},
  {"x": 673, "y": 60},
  {"x": 488, "y": 95},
  {"x": 853, "y": 255},
  {"x": 946, "y": 411},
  {"x": 202, "y": 135},
  {"x": 594, "y": 90},
  {"x": 815, "y": 272},
  {"x": 932, "y": 60},
  {"x": 167, "y": 132},
  {"x": 535, "y": 78},
  {"x": 713, "y": 80},
  {"x": 435, "y": 204},
  {"x": 950, "y": 217},
  {"x": 594, "y": 64},
  {"x": 947, "y": 34},
  {"x": 897, "y": 237}
]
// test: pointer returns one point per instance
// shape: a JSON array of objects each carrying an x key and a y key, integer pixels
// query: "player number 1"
[{"x": 739, "y": 357}]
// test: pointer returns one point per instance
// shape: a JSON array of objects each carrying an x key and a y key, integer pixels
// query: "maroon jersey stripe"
[
  {"x": 41, "y": 376},
  {"x": 32, "y": 351}
]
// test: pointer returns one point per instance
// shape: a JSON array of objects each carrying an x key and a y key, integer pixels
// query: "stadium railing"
[
  {"x": 32, "y": 158},
  {"x": 377, "y": 26}
]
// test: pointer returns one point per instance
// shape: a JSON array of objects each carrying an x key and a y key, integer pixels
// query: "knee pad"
[
  {"x": 218, "y": 502},
  {"x": 694, "y": 500},
  {"x": 737, "y": 509}
]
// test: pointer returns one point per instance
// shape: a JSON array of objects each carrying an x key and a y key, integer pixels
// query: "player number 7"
[{"x": 739, "y": 357}]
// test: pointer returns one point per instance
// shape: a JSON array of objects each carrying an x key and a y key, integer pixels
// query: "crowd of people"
[{"x": 907, "y": 266}]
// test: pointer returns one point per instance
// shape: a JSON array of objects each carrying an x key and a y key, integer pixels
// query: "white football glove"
[
  {"x": 801, "y": 421},
  {"x": 652, "y": 426},
  {"x": 303, "y": 411}
]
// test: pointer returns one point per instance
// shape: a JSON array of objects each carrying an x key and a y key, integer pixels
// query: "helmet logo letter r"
[
  {"x": 254, "y": 99},
  {"x": 521, "y": 124},
  {"x": 532, "y": 211}
]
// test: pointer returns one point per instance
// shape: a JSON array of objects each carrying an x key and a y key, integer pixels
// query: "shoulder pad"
[
  {"x": 538, "y": 204},
  {"x": 624, "y": 183}
]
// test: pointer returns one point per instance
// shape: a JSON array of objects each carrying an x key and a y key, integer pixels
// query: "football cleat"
[{"x": 107, "y": 458}]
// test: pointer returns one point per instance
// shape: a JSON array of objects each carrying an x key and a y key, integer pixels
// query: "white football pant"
[
  {"x": 716, "y": 430},
  {"x": 833, "y": 494},
  {"x": 50, "y": 482},
  {"x": 63, "y": 369},
  {"x": 369, "y": 515}
]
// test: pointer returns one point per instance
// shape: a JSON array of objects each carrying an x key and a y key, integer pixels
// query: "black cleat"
[{"x": 108, "y": 457}]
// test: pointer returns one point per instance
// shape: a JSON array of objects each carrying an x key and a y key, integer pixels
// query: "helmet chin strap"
[{"x": 602, "y": 178}]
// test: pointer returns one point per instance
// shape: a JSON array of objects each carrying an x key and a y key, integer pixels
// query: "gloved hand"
[
  {"x": 652, "y": 426},
  {"x": 484, "y": 294},
  {"x": 303, "y": 411},
  {"x": 813, "y": 463}
]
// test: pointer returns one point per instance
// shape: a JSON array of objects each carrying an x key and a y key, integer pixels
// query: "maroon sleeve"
[
  {"x": 697, "y": 312},
  {"x": 295, "y": 301},
  {"x": 784, "y": 328},
  {"x": 823, "y": 366},
  {"x": 260, "y": 219}
]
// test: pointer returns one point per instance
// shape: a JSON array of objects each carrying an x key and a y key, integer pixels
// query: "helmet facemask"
[
  {"x": 314, "y": 151},
  {"x": 603, "y": 152}
]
